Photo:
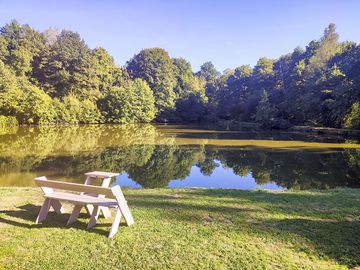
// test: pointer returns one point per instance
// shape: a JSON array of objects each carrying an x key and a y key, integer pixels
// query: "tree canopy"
[{"x": 54, "y": 77}]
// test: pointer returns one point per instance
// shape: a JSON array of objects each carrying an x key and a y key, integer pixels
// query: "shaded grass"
[{"x": 190, "y": 229}]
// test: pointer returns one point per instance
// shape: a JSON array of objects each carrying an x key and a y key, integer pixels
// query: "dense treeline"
[{"x": 55, "y": 78}]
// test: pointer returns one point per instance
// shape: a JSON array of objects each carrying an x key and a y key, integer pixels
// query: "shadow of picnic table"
[{"x": 25, "y": 216}]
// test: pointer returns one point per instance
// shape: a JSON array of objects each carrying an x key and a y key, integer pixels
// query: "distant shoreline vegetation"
[{"x": 53, "y": 77}]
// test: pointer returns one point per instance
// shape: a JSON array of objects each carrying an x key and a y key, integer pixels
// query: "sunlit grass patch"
[{"x": 189, "y": 228}]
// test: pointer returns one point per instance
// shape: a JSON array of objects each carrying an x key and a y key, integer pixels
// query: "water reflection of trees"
[
  {"x": 152, "y": 160},
  {"x": 300, "y": 169},
  {"x": 167, "y": 162}
]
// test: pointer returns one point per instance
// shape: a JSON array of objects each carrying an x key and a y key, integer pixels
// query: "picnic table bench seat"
[
  {"x": 97, "y": 196},
  {"x": 81, "y": 199}
]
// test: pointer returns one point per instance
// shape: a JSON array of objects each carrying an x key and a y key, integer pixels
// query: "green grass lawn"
[{"x": 189, "y": 229}]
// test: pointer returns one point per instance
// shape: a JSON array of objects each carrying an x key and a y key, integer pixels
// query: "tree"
[
  {"x": 155, "y": 67},
  {"x": 20, "y": 44},
  {"x": 50, "y": 35},
  {"x": 105, "y": 69},
  {"x": 186, "y": 82},
  {"x": 132, "y": 102},
  {"x": 36, "y": 106},
  {"x": 212, "y": 78},
  {"x": 54, "y": 77},
  {"x": 265, "y": 112},
  {"x": 191, "y": 109},
  {"x": 208, "y": 71},
  {"x": 232, "y": 98},
  {"x": 78, "y": 111},
  {"x": 10, "y": 93},
  {"x": 68, "y": 67},
  {"x": 352, "y": 119},
  {"x": 328, "y": 47}
]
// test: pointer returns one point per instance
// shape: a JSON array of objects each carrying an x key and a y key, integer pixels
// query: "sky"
[{"x": 228, "y": 33}]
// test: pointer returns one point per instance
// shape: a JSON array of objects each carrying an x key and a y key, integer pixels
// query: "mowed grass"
[{"x": 189, "y": 229}]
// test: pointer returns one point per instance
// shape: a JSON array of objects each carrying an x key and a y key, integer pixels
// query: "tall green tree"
[
  {"x": 265, "y": 112},
  {"x": 155, "y": 67},
  {"x": 68, "y": 67},
  {"x": 19, "y": 44}
]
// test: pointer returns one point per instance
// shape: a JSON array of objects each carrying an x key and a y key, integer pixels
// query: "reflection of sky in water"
[{"x": 220, "y": 178}]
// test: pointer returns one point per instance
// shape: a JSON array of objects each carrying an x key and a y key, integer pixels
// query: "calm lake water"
[{"x": 154, "y": 156}]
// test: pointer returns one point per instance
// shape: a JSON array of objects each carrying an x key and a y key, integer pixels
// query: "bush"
[
  {"x": 8, "y": 121},
  {"x": 36, "y": 106},
  {"x": 133, "y": 102},
  {"x": 75, "y": 111}
]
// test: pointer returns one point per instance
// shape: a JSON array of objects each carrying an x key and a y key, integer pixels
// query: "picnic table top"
[{"x": 100, "y": 174}]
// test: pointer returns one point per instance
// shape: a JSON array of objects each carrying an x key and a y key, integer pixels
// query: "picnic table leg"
[
  {"x": 116, "y": 223},
  {"x": 89, "y": 208},
  {"x": 59, "y": 209},
  {"x": 105, "y": 210},
  {"x": 75, "y": 214},
  {"x": 105, "y": 183},
  {"x": 44, "y": 210},
  {"x": 55, "y": 204},
  {"x": 94, "y": 217}
]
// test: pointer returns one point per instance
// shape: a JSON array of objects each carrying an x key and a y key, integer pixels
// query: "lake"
[{"x": 156, "y": 156}]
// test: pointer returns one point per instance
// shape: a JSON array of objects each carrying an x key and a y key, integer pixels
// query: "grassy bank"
[{"x": 190, "y": 229}]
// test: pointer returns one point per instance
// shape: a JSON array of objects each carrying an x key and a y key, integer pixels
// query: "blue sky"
[{"x": 228, "y": 33}]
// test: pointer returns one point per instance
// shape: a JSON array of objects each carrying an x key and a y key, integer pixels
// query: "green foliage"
[
  {"x": 186, "y": 82},
  {"x": 80, "y": 111},
  {"x": 233, "y": 97},
  {"x": 352, "y": 119},
  {"x": 156, "y": 68},
  {"x": 328, "y": 48},
  {"x": 9, "y": 91},
  {"x": 191, "y": 109},
  {"x": 55, "y": 78},
  {"x": 208, "y": 72},
  {"x": 68, "y": 67},
  {"x": 36, "y": 106},
  {"x": 265, "y": 112},
  {"x": 130, "y": 103},
  {"x": 19, "y": 45},
  {"x": 105, "y": 69},
  {"x": 8, "y": 121}
]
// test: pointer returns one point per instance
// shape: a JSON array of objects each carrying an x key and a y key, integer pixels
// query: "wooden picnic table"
[{"x": 94, "y": 198}]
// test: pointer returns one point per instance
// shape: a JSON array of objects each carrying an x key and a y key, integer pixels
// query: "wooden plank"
[
  {"x": 99, "y": 174},
  {"x": 74, "y": 187},
  {"x": 81, "y": 199}
]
